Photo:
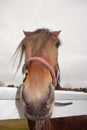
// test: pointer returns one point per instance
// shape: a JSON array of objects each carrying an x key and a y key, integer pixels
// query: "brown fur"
[{"x": 38, "y": 90}]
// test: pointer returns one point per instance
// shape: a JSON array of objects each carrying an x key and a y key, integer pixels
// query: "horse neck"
[{"x": 45, "y": 126}]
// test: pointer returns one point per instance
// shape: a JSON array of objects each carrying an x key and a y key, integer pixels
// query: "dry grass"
[{"x": 14, "y": 125}]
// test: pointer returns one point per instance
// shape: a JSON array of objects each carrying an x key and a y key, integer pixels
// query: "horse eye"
[{"x": 57, "y": 44}]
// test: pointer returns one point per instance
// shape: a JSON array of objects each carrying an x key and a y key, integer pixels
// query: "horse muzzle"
[{"x": 39, "y": 110}]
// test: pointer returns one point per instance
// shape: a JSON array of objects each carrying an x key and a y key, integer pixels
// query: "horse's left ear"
[
  {"x": 26, "y": 33},
  {"x": 56, "y": 33}
]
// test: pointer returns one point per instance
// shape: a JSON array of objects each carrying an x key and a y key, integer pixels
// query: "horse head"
[{"x": 40, "y": 73}]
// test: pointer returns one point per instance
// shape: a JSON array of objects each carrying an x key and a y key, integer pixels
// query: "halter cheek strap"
[{"x": 47, "y": 64}]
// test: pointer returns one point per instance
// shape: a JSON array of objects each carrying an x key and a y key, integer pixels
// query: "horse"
[{"x": 41, "y": 75}]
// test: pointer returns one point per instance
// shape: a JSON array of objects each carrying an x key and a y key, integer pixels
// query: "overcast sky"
[{"x": 70, "y": 16}]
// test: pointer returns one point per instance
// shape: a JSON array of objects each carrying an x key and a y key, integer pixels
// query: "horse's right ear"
[{"x": 26, "y": 33}]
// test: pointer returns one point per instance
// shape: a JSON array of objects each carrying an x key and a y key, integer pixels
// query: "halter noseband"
[{"x": 47, "y": 64}]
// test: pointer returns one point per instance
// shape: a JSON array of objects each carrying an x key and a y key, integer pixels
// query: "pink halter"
[{"x": 47, "y": 64}]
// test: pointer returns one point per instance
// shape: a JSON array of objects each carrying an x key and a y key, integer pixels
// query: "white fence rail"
[{"x": 10, "y": 107}]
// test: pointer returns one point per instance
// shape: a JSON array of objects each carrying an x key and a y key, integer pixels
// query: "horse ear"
[
  {"x": 26, "y": 33},
  {"x": 56, "y": 33}
]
